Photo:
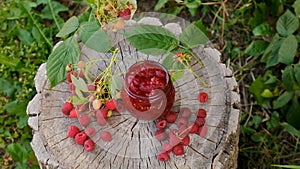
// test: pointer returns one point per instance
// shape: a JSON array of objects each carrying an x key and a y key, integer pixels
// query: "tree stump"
[{"x": 134, "y": 145}]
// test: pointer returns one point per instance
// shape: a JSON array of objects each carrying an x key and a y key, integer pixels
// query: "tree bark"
[{"x": 134, "y": 145}]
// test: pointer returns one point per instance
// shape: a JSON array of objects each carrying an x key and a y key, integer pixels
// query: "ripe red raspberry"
[
  {"x": 183, "y": 131},
  {"x": 80, "y": 138},
  {"x": 90, "y": 131},
  {"x": 164, "y": 156},
  {"x": 202, "y": 131},
  {"x": 67, "y": 107},
  {"x": 186, "y": 140},
  {"x": 102, "y": 113},
  {"x": 160, "y": 135},
  {"x": 182, "y": 122},
  {"x": 74, "y": 113},
  {"x": 72, "y": 131},
  {"x": 161, "y": 124},
  {"x": 125, "y": 14},
  {"x": 193, "y": 128},
  {"x": 185, "y": 112},
  {"x": 69, "y": 75},
  {"x": 167, "y": 147},
  {"x": 72, "y": 86},
  {"x": 89, "y": 145},
  {"x": 201, "y": 113},
  {"x": 111, "y": 104},
  {"x": 203, "y": 97},
  {"x": 200, "y": 122},
  {"x": 178, "y": 150},
  {"x": 171, "y": 117},
  {"x": 105, "y": 136},
  {"x": 84, "y": 120}
]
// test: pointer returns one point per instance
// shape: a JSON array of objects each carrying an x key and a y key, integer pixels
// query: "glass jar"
[{"x": 148, "y": 92}]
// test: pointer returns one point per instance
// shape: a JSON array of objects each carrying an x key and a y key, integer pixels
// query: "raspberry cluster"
[
  {"x": 175, "y": 140},
  {"x": 88, "y": 101}
]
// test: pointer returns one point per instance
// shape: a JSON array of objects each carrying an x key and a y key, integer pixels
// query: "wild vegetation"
[{"x": 259, "y": 39}]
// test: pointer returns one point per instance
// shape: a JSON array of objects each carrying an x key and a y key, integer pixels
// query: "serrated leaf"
[
  {"x": 287, "y": 24},
  {"x": 79, "y": 84},
  {"x": 262, "y": 30},
  {"x": 287, "y": 50},
  {"x": 160, "y": 4},
  {"x": 270, "y": 48},
  {"x": 70, "y": 26},
  {"x": 296, "y": 7},
  {"x": 153, "y": 40},
  {"x": 193, "y": 4},
  {"x": 192, "y": 36},
  {"x": 283, "y": 99},
  {"x": 256, "y": 47},
  {"x": 94, "y": 37},
  {"x": 273, "y": 56},
  {"x": 67, "y": 52},
  {"x": 291, "y": 129}
]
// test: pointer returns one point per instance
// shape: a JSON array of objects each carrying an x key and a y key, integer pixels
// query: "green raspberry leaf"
[
  {"x": 287, "y": 50},
  {"x": 79, "y": 84},
  {"x": 192, "y": 36},
  {"x": 67, "y": 52},
  {"x": 152, "y": 40},
  {"x": 287, "y": 24},
  {"x": 94, "y": 37},
  {"x": 69, "y": 27}
]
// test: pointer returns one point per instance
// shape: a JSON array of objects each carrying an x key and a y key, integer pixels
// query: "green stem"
[
  {"x": 53, "y": 15},
  {"x": 198, "y": 77},
  {"x": 38, "y": 28}
]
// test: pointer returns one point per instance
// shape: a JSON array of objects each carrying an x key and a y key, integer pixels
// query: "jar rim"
[{"x": 147, "y": 97}]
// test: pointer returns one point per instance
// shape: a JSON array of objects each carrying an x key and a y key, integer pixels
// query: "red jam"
[{"x": 148, "y": 92}]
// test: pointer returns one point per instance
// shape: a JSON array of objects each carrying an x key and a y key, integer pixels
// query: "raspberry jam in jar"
[{"x": 148, "y": 92}]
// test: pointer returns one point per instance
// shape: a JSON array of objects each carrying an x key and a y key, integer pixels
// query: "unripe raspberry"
[
  {"x": 171, "y": 117},
  {"x": 161, "y": 124},
  {"x": 67, "y": 108},
  {"x": 80, "y": 138},
  {"x": 72, "y": 131},
  {"x": 105, "y": 136},
  {"x": 167, "y": 147},
  {"x": 89, "y": 145}
]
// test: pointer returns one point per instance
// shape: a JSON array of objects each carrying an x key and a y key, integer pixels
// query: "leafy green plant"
[{"x": 272, "y": 92}]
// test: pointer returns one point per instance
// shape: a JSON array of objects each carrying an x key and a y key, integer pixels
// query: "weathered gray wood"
[{"x": 134, "y": 145}]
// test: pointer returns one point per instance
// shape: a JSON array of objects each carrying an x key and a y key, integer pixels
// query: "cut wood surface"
[{"x": 134, "y": 145}]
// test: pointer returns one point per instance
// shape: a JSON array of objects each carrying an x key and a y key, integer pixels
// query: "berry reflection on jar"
[{"x": 148, "y": 92}]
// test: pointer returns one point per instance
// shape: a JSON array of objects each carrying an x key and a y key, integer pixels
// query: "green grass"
[{"x": 269, "y": 135}]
